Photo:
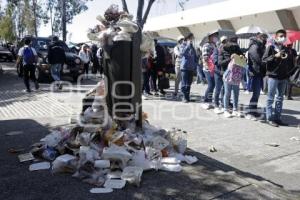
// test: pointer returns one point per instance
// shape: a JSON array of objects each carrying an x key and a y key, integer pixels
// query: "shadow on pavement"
[{"x": 207, "y": 179}]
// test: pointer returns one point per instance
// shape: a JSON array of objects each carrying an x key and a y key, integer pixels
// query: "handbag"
[{"x": 164, "y": 83}]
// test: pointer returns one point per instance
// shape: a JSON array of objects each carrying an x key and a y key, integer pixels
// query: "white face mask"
[{"x": 281, "y": 40}]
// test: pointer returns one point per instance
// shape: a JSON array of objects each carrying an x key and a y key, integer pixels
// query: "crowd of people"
[
  {"x": 220, "y": 64},
  {"x": 91, "y": 58},
  {"x": 223, "y": 68}
]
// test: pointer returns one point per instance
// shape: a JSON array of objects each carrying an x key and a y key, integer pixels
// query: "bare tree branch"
[
  {"x": 125, "y": 8},
  {"x": 150, "y": 3},
  {"x": 139, "y": 14}
]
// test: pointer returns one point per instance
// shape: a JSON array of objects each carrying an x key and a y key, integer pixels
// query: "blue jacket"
[{"x": 189, "y": 58}]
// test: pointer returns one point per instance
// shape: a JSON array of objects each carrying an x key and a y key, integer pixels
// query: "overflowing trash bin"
[{"x": 100, "y": 149}]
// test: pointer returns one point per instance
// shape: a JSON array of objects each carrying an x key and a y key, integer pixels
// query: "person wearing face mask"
[
  {"x": 209, "y": 68},
  {"x": 177, "y": 53},
  {"x": 84, "y": 55},
  {"x": 280, "y": 64},
  {"x": 257, "y": 71},
  {"x": 188, "y": 66}
]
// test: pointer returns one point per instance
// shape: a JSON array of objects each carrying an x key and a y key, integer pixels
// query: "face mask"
[{"x": 281, "y": 40}]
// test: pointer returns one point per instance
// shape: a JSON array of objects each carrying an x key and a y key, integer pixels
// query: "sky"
[{"x": 82, "y": 22}]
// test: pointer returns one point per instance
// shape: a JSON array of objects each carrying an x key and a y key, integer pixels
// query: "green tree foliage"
[
  {"x": 55, "y": 11},
  {"x": 7, "y": 31}
]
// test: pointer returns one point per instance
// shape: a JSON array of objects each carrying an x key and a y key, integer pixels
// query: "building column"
[
  {"x": 184, "y": 30},
  {"x": 225, "y": 24},
  {"x": 287, "y": 20}
]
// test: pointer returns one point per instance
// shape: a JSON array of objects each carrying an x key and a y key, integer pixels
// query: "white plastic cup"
[{"x": 102, "y": 164}]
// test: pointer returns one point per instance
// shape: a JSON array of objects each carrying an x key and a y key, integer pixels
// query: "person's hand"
[
  {"x": 251, "y": 73},
  {"x": 278, "y": 55},
  {"x": 160, "y": 73}
]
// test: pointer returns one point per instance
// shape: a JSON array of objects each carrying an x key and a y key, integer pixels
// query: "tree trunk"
[
  {"x": 35, "y": 18},
  {"x": 51, "y": 20},
  {"x": 64, "y": 20},
  {"x": 150, "y": 3},
  {"x": 125, "y": 8}
]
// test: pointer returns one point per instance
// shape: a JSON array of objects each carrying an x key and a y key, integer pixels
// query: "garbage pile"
[
  {"x": 117, "y": 25},
  {"x": 111, "y": 154}
]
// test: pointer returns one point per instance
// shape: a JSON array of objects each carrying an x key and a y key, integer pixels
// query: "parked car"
[
  {"x": 5, "y": 54},
  {"x": 72, "y": 68}
]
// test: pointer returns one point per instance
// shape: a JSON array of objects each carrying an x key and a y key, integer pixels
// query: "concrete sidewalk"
[{"x": 242, "y": 168}]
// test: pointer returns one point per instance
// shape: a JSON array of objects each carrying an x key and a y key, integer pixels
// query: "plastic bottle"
[{"x": 49, "y": 154}]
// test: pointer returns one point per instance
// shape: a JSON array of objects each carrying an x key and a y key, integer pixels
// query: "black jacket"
[
  {"x": 160, "y": 58},
  {"x": 278, "y": 68},
  {"x": 56, "y": 53},
  {"x": 225, "y": 55},
  {"x": 255, "y": 54}
]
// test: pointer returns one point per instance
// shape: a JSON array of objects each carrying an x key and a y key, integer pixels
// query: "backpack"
[
  {"x": 28, "y": 56},
  {"x": 234, "y": 74}
]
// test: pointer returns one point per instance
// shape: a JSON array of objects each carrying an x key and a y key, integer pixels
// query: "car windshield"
[{"x": 41, "y": 43}]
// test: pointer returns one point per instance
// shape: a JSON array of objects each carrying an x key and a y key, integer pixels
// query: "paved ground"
[{"x": 242, "y": 168}]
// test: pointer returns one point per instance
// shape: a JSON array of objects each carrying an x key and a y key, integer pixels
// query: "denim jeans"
[
  {"x": 29, "y": 73},
  {"x": 146, "y": 85},
  {"x": 178, "y": 78},
  {"x": 256, "y": 85},
  {"x": 210, "y": 86},
  {"x": 236, "y": 92},
  {"x": 200, "y": 74},
  {"x": 55, "y": 71},
  {"x": 277, "y": 87},
  {"x": 265, "y": 85},
  {"x": 219, "y": 90},
  {"x": 186, "y": 82}
]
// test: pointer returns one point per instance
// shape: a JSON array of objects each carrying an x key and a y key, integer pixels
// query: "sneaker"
[
  {"x": 27, "y": 90},
  {"x": 60, "y": 86},
  {"x": 149, "y": 93},
  {"x": 162, "y": 93},
  {"x": 272, "y": 123},
  {"x": 206, "y": 106},
  {"x": 262, "y": 93},
  {"x": 144, "y": 97},
  {"x": 218, "y": 111},
  {"x": 185, "y": 101},
  {"x": 247, "y": 92},
  {"x": 227, "y": 114},
  {"x": 37, "y": 86},
  {"x": 156, "y": 94},
  {"x": 236, "y": 114},
  {"x": 251, "y": 117}
]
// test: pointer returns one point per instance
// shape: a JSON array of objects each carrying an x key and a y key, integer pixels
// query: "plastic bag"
[
  {"x": 85, "y": 138},
  {"x": 87, "y": 154},
  {"x": 133, "y": 175},
  {"x": 53, "y": 139},
  {"x": 116, "y": 153},
  {"x": 158, "y": 143},
  {"x": 64, "y": 163}
]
